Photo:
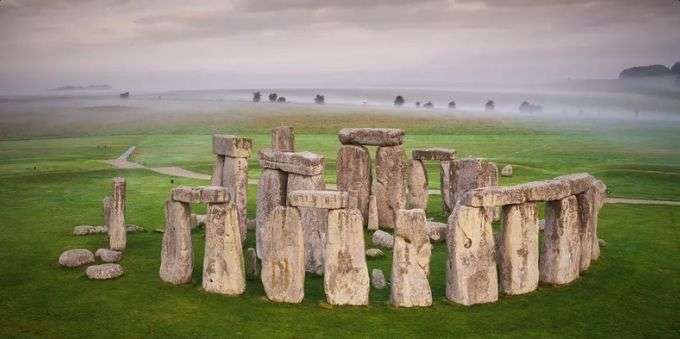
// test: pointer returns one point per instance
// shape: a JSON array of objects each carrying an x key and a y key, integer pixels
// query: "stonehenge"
[
  {"x": 353, "y": 168},
  {"x": 411, "y": 260},
  {"x": 223, "y": 263},
  {"x": 417, "y": 177},
  {"x": 115, "y": 216},
  {"x": 390, "y": 183}
]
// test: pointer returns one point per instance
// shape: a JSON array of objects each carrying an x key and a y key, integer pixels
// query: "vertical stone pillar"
[
  {"x": 223, "y": 265},
  {"x": 471, "y": 276},
  {"x": 313, "y": 219},
  {"x": 283, "y": 265},
  {"x": 216, "y": 179},
  {"x": 176, "y": 250},
  {"x": 346, "y": 280},
  {"x": 411, "y": 260},
  {"x": 560, "y": 259},
  {"x": 518, "y": 257},
  {"x": 373, "y": 224},
  {"x": 390, "y": 183},
  {"x": 271, "y": 192},
  {"x": 116, "y": 219},
  {"x": 235, "y": 180},
  {"x": 446, "y": 188},
  {"x": 353, "y": 168},
  {"x": 601, "y": 189},
  {"x": 417, "y": 185},
  {"x": 471, "y": 173},
  {"x": 283, "y": 139}
]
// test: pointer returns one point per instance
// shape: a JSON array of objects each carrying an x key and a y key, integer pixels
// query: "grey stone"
[
  {"x": 599, "y": 202},
  {"x": 252, "y": 264},
  {"x": 579, "y": 182},
  {"x": 378, "y": 279},
  {"x": 318, "y": 199},
  {"x": 382, "y": 239},
  {"x": 471, "y": 276},
  {"x": 104, "y": 271},
  {"x": 417, "y": 185},
  {"x": 107, "y": 255},
  {"x": 76, "y": 257},
  {"x": 283, "y": 138},
  {"x": 235, "y": 180},
  {"x": 518, "y": 249},
  {"x": 446, "y": 189},
  {"x": 314, "y": 222},
  {"x": 84, "y": 230},
  {"x": 216, "y": 178},
  {"x": 494, "y": 196},
  {"x": 271, "y": 192},
  {"x": 371, "y": 136},
  {"x": 232, "y": 146},
  {"x": 374, "y": 253},
  {"x": 390, "y": 184},
  {"x": 201, "y": 194},
  {"x": 440, "y": 154},
  {"x": 303, "y": 163},
  {"x": 560, "y": 252},
  {"x": 353, "y": 170},
  {"x": 372, "y": 214},
  {"x": 176, "y": 250},
  {"x": 215, "y": 195},
  {"x": 546, "y": 190},
  {"x": 602, "y": 242},
  {"x": 437, "y": 231},
  {"x": 411, "y": 261},
  {"x": 223, "y": 264},
  {"x": 283, "y": 263},
  {"x": 116, "y": 218},
  {"x": 470, "y": 173},
  {"x": 130, "y": 228},
  {"x": 506, "y": 171},
  {"x": 346, "y": 280}
]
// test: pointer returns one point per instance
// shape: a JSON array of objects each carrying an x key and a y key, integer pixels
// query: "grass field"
[{"x": 51, "y": 180}]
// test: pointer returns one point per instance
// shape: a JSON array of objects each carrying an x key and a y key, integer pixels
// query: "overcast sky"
[{"x": 163, "y": 44}]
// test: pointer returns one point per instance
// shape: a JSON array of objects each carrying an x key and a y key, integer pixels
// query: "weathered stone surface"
[
  {"x": 304, "y": 163},
  {"x": 471, "y": 173},
  {"x": 440, "y": 154},
  {"x": 84, "y": 230},
  {"x": 101, "y": 230},
  {"x": 191, "y": 195},
  {"x": 417, "y": 185},
  {"x": 560, "y": 259},
  {"x": 372, "y": 213},
  {"x": 471, "y": 276},
  {"x": 318, "y": 199},
  {"x": 202, "y": 194},
  {"x": 346, "y": 280},
  {"x": 214, "y": 195},
  {"x": 599, "y": 202},
  {"x": 411, "y": 260},
  {"x": 600, "y": 187},
  {"x": 446, "y": 188},
  {"x": 314, "y": 222},
  {"x": 107, "y": 255},
  {"x": 106, "y": 210},
  {"x": 493, "y": 196},
  {"x": 131, "y": 228},
  {"x": 283, "y": 263},
  {"x": 506, "y": 171},
  {"x": 177, "y": 251},
  {"x": 223, "y": 264},
  {"x": 378, "y": 279},
  {"x": 232, "y": 146},
  {"x": 353, "y": 169},
  {"x": 589, "y": 204},
  {"x": 518, "y": 249},
  {"x": 390, "y": 184},
  {"x": 283, "y": 138},
  {"x": 104, "y": 271},
  {"x": 382, "y": 239},
  {"x": 76, "y": 257},
  {"x": 216, "y": 178},
  {"x": 235, "y": 180},
  {"x": 371, "y": 136},
  {"x": 579, "y": 182},
  {"x": 374, "y": 253},
  {"x": 252, "y": 264},
  {"x": 437, "y": 231},
  {"x": 546, "y": 190},
  {"x": 271, "y": 192},
  {"x": 116, "y": 218}
]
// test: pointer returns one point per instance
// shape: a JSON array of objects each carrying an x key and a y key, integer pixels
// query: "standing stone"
[
  {"x": 283, "y": 264},
  {"x": 372, "y": 213},
  {"x": 471, "y": 173},
  {"x": 252, "y": 265},
  {"x": 353, "y": 169},
  {"x": 411, "y": 260},
  {"x": 417, "y": 185},
  {"x": 116, "y": 219},
  {"x": 471, "y": 276},
  {"x": 445, "y": 186},
  {"x": 601, "y": 189},
  {"x": 283, "y": 139},
  {"x": 518, "y": 249},
  {"x": 588, "y": 209},
  {"x": 560, "y": 259},
  {"x": 216, "y": 179},
  {"x": 314, "y": 221},
  {"x": 346, "y": 280},
  {"x": 223, "y": 266},
  {"x": 235, "y": 180},
  {"x": 176, "y": 252},
  {"x": 378, "y": 279},
  {"x": 271, "y": 192},
  {"x": 390, "y": 184}
]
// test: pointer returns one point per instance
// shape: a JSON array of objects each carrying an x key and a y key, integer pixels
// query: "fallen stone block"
[
  {"x": 546, "y": 190},
  {"x": 104, "y": 271},
  {"x": 107, "y": 255},
  {"x": 76, "y": 257},
  {"x": 303, "y": 163},
  {"x": 374, "y": 253},
  {"x": 131, "y": 228},
  {"x": 371, "y": 136},
  {"x": 438, "y": 154},
  {"x": 84, "y": 230},
  {"x": 378, "y": 279},
  {"x": 232, "y": 146},
  {"x": 318, "y": 199},
  {"x": 493, "y": 196},
  {"x": 382, "y": 239}
]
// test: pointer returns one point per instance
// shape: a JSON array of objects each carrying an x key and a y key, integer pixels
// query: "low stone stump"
[
  {"x": 314, "y": 221},
  {"x": 471, "y": 276},
  {"x": 318, "y": 199},
  {"x": 372, "y": 214},
  {"x": 176, "y": 251},
  {"x": 411, "y": 261},
  {"x": 418, "y": 194},
  {"x": 346, "y": 280},
  {"x": 116, "y": 217},
  {"x": 283, "y": 138},
  {"x": 560, "y": 259},
  {"x": 108, "y": 256},
  {"x": 518, "y": 249},
  {"x": 438, "y": 154},
  {"x": 283, "y": 264},
  {"x": 76, "y": 257},
  {"x": 223, "y": 265},
  {"x": 235, "y": 180},
  {"x": 353, "y": 170},
  {"x": 84, "y": 230},
  {"x": 382, "y": 239},
  {"x": 303, "y": 163},
  {"x": 371, "y": 136},
  {"x": 271, "y": 193},
  {"x": 390, "y": 184},
  {"x": 374, "y": 253},
  {"x": 232, "y": 146},
  {"x": 104, "y": 271}
]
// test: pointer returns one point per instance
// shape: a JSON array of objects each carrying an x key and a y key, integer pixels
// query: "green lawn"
[{"x": 49, "y": 185}]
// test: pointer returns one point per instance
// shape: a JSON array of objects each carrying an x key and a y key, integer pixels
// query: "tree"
[
  {"x": 320, "y": 99},
  {"x": 417, "y": 103},
  {"x": 281, "y": 99},
  {"x": 257, "y": 96},
  {"x": 490, "y": 105},
  {"x": 399, "y": 101},
  {"x": 452, "y": 104},
  {"x": 273, "y": 97},
  {"x": 429, "y": 104}
]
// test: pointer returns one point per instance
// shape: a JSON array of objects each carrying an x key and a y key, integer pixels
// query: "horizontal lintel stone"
[
  {"x": 494, "y": 196},
  {"x": 319, "y": 199},
  {"x": 579, "y": 182},
  {"x": 371, "y": 136},
  {"x": 441, "y": 154},
  {"x": 232, "y": 146},
  {"x": 304, "y": 163},
  {"x": 205, "y": 194},
  {"x": 546, "y": 190}
]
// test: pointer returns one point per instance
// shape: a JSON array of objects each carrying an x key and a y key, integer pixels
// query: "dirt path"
[{"x": 122, "y": 162}]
